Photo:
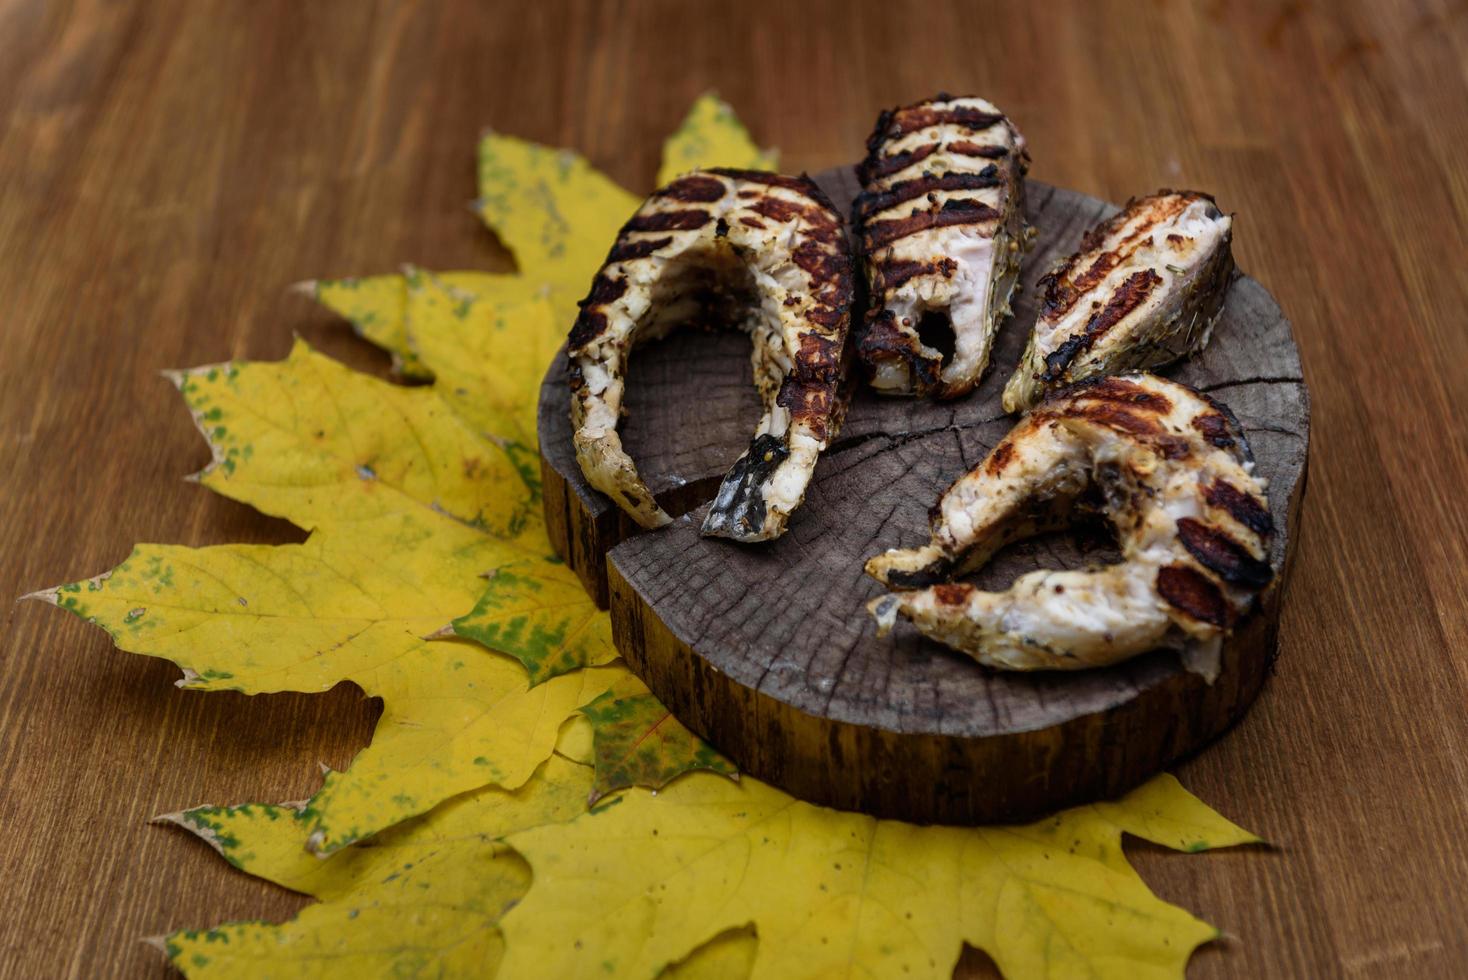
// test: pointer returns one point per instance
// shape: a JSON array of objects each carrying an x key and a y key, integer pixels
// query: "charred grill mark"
[
  {"x": 625, "y": 251},
  {"x": 1118, "y": 418},
  {"x": 777, "y": 209},
  {"x": 1215, "y": 429},
  {"x": 604, "y": 289},
  {"x": 1000, "y": 458},
  {"x": 894, "y": 272},
  {"x": 828, "y": 318},
  {"x": 1190, "y": 591},
  {"x": 953, "y": 593},
  {"x": 821, "y": 221},
  {"x": 668, "y": 221},
  {"x": 926, "y": 115},
  {"x": 1129, "y": 295},
  {"x": 591, "y": 321},
  {"x": 803, "y": 184},
  {"x": 1217, "y": 551},
  {"x": 878, "y": 135},
  {"x": 875, "y": 167},
  {"x": 874, "y": 202},
  {"x": 810, "y": 402},
  {"x": 968, "y": 148},
  {"x": 879, "y": 234},
  {"x": 1241, "y": 506},
  {"x": 1234, "y": 429},
  {"x": 820, "y": 356},
  {"x": 1122, "y": 390},
  {"x": 752, "y": 223},
  {"x": 590, "y": 325},
  {"x": 695, "y": 190},
  {"x": 818, "y": 262},
  {"x": 885, "y": 341},
  {"x": 811, "y": 388}
]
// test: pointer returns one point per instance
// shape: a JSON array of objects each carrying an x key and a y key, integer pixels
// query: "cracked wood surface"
[
  {"x": 767, "y": 650},
  {"x": 168, "y": 167}
]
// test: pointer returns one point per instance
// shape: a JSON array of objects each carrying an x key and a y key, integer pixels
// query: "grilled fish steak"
[
  {"x": 1144, "y": 290},
  {"x": 1170, "y": 470},
  {"x": 941, "y": 227},
  {"x": 759, "y": 251}
]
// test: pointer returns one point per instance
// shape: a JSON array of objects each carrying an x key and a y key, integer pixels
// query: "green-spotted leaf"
[
  {"x": 638, "y": 742},
  {"x": 540, "y": 614}
]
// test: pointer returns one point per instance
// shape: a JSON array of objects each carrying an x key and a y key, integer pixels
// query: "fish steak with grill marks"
[
  {"x": 941, "y": 227},
  {"x": 758, "y": 251},
  {"x": 1166, "y": 466},
  {"x": 1144, "y": 290}
]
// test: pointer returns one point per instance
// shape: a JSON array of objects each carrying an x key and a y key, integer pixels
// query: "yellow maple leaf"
[
  {"x": 305, "y": 617},
  {"x": 374, "y": 306},
  {"x": 489, "y": 344},
  {"x": 425, "y": 897},
  {"x": 712, "y": 136},
  {"x": 628, "y": 888}
]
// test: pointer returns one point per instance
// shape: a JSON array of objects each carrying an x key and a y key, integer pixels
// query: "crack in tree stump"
[{"x": 767, "y": 650}]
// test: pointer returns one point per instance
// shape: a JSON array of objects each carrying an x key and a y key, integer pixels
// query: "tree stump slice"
[{"x": 768, "y": 652}]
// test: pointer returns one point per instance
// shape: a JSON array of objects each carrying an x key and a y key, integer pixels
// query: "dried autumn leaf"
[
  {"x": 628, "y": 888},
  {"x": 638, "y": 742},
  {"x": 306, "y": 617}
]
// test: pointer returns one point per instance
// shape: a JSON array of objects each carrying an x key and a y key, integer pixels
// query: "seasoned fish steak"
[
  {"x": 758, "y": 251},
  {"x": 1144, "y": 290},
  {"x": 941, "y": 227},
  {"x": 1170, "y": 470}
]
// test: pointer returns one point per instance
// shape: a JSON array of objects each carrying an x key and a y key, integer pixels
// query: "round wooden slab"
[{"x": 767, "y": 651}]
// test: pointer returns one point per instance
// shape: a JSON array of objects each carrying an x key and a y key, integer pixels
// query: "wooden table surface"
[{"x": 167, "y": 168}]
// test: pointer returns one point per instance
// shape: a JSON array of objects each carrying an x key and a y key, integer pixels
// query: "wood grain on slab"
[
  {"x": 167, "y": 168},
  {"x": 768, "y": 651}
]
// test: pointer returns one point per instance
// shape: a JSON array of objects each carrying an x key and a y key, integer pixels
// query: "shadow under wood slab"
[{"x": 768, "y": 652}]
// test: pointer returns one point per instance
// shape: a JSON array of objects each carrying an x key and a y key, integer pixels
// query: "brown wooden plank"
[{"x": 167, "y": 167}]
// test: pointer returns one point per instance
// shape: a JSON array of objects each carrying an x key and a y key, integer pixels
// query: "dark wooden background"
[{"x": 167, "y": 168}]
